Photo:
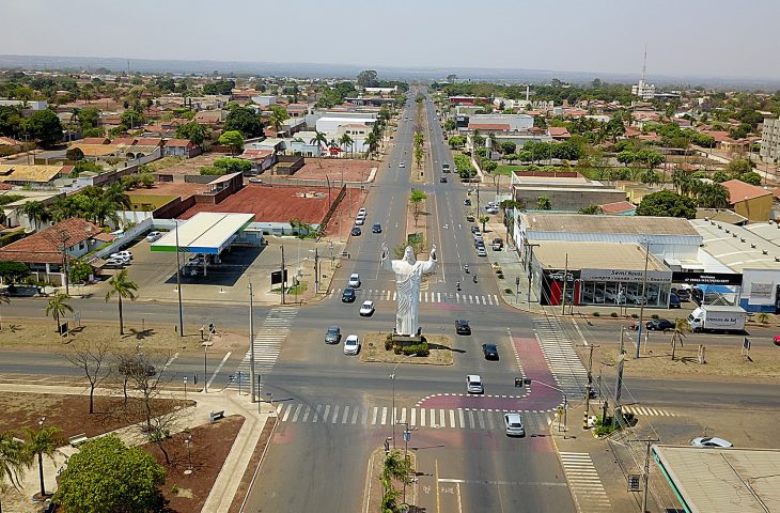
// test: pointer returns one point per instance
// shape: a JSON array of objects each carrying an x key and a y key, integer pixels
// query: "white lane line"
[
  {"x": 483, "y": 300},
  {"x": 335, "y": 416},
  {"x": 471, "y": 419},
  {"x": 442, "y": 422},
  {"x": 413, "y": 423},
  {"x": 346, "y": 414},
  {"x": 481, "y": 420},
  {"x": 219, "y": 368},
  {"x": 325, "y": 414},
  {"x": 279, "y": 408},
  {"x": 403, "y": 416},
  {"x": 452, "y": 418},
  {"x": 364, "y": 419},
  {"x": 355, "y": 412},
  {"x": 422, "y": 417},
  {"x": 491, "y": 423},
  {"x": 433, "y": 418},
  {"x": 317, "y": 411}
]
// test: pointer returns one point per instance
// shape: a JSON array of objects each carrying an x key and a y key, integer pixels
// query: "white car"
[
  {"x": 153, "y": 236},
  {"x": 401, "y": 165},
  {"x": 367, "y": 308},
  {"x": 711, "y": 441},
  {"x": 481, "y": 251},
  {"x": 114, "y": 263},
  {"x": 513, "y": 424},
  {"x": 126, "y": 255},
  {"x": 354, "y": 280},
  {"x": 474, "y": 384},
  {"x": 352, "y": 345},
  {"x": 360, "y": 221},
  {"x": 362, "y": 212}
]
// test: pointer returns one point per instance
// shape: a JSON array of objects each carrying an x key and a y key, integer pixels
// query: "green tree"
[
  {"x": 36, "y": 213},
  {"x": 195, "y": 132},
  {"x": 667, "y": 204},
  {"x": 232, "y": 138},
  {"x": 367, "y": 78},
  {"x": 416, "y": 196},
  {"x": 484, "y": 219},
  {"x": 543, "y": 203},
  {"x": 346, "y": 141},
  {"x": 278, "y": 117},
  {"x": 79, "y": 271},
  {"x": 738, "y": 167},
  {"x": 712, "y": 195},
  {"x": 751, "y": 177},
  {"x": 508, "y": 147},
  {"x": 419, "y": 154},
  {"x": 45, "y": 126},
  {"x": 245, "y": 121},
  {"x": 89, "y": 117},
  {"x": 39, "y": 443},
  {"x": 591, "y": 210},
  {"x": 132, "y": 118},
  {"x": 372, "y": 142},
  {"x": 319, "y": 139},
  {"x": 456, "y": 141},
  {"x": 12, "y": 460},
  {"x": 57, "y": 306},
  {"x": 11, "y": 272},
  {"x": 74, "y": 154},
  {"x": 107, "y": 476},
  {"x": 488, "y": 166},
  {"x": 121, "y": 286},
  {"x": 233, "y": 165},
  {"x": 450, "y": 125},
  {"x": 146, "y": 179}
]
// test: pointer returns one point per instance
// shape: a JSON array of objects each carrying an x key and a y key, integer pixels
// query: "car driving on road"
[
  {"x": 356, "y": 231},
  {"x": 462, "y": 327},
  {"x": 367, "y": 308},
  {"x": 348, "y": 295},
  {"x": 352, "y": 345},
  {"x": 513, "y": 424},
  {"x": 490, "y": 351},
  {"x": 376, "y": 228},
  {"x": 354, "y": 280},
  {"x": 474, "y": 384},
  {"x": 333, "y": 335}
]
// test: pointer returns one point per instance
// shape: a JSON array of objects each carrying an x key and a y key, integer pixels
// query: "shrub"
[
  {"x": 613, "y": 314},
  {"x": 417, "y": 349},
  {"x": 654, "y": 316},
  {"x": 388, "y": 342},
  {"x": 507, "y": 291},
  {"x": 634, "y": 316},
  {"x": 596, "y": 314},
  {"x": 397, "y": 349}
]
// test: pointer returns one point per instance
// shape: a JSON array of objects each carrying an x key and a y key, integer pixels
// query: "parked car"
[
  {"x": 474, "y": 384},
  {"x": 659, "y": 325},
  {"x": 711, "y": 441},
  {"x": 255, "y": 179},
  {"x": 674, "y": 301},
  {"x": 367, "y": 308},
  {"x": 376, "y": 228},
  {"x": 475, "y": 230},
  {"x": 114, "y": 263},
  {"x": 777, "y": 340},
  {"x": 513, "y": 424},
  {"x": 467, "y": 202},
  {"x": 443, "y": 179},
  {"x": 481, "y": 251},
  {"x": 462, "y": 327},
  {"x": 362, "y": 211},
  {"x": 333, "y": 335},
  {"x": 354, "y": 280},
  {"x": 490, "y": 351},
  {"x": 153, "y": 236},
  {"x": 356, "y": 231},
  {"x": 470, "y": 218},
  {"x": 124, "y": 255},
  {"x": 498, "y": 244},
  {"x": 683, "y": 294},
  {"x": 348, "y": 295},
  {"x": 352, "y": 345},
  {"x": 360, "y": 221},
  {"x": 402, "y": 165}
]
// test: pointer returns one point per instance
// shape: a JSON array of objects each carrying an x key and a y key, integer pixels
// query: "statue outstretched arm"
[{"x": 429, "y": 265}]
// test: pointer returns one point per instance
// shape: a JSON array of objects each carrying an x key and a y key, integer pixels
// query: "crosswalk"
[
  {"x": 267, "y": 344},
  {"x": 584, "y": 482},
  {"x": 558, "y": 349},
  {"x": 648, "y": 412},
  {"x": 434, "y": 418},
  {"x": 428, "y": 297}
]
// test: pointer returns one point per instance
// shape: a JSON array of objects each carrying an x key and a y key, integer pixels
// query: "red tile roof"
[
  {"x": 718, "y": 135},
  {"x": 43, "y": 247},
  {"x": 559, "y": 131},
  {"x": 93, "y": 140},
  {"x": 127, "y": 141},
  {"x": 618, "y": 207},
  {"x": 741, "y": 191},
  {"x": 178, "y": 142}
]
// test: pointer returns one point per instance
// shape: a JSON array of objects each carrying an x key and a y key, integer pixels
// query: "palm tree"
[
  {"x": 543, "y": 203},
  {"x": 681, "y": 327},
  {"x": 58, "y": 306},
  {"x": 319, "y": 139},
  {"x": 123, "y": 288},
  {"x": 372, "y": 141},
  {"x": 35, "y": 212},
  {"x": 416, "y": 196},
  {"x": 484, "y": 219},
  {"x": 346, "y": 141},
  {"x": 277, "y": 117},
  {"x": 11, "y": 460},
  {"x": 39, "y": 443}
]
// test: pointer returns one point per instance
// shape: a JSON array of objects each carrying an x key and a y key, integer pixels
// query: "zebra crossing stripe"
[
  {"x": 491, "y": 424},
  {"x": 345, "y": 415},
  {"x": 374, "y": 415},
  {"x": 461, "y": 419},
  {"x": 471, "y": 419},
  {"x": 403, "y": 416},
  {"x": 317, "y": 411},
  {"x": 384, "y": 415},
  {"x": 306, "y": 414},
  {"x": 297, "y": 412},
  {"x": 433, "y": 418},
  {"x": 354, "y": 416},
  {"x": 452, "y": 418},
  {"x": 388, "y": 295},
  {"x": 414, "y": 417},
  {"x": 286, "y": 414},
  {"x": 327, "y": 411},
  {"x": 422, "y": 417}
]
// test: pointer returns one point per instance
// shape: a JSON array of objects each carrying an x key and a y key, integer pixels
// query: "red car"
[{"x": 777, "y": 340}]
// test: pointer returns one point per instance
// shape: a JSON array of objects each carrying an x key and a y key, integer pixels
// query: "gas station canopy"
[{"x": 208, "y": 233}]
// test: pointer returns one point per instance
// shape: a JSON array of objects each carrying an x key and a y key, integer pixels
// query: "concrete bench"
[
  {"x": 77, "y": 440},
  {"x": 216, "y": 415}
]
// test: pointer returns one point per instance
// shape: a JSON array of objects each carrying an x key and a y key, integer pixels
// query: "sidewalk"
[
  {"x": 509, "y": 261},
  {"x": 221, "y": 496}
]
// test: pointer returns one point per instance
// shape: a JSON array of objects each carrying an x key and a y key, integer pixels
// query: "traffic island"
[
  {"x": 428, "y": 350},
  {"x": 384, "y": 489}
]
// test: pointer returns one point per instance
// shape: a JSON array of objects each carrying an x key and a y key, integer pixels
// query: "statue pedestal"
[{"x": 406, "y": 339}]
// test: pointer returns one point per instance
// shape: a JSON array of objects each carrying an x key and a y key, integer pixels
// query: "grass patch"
[{"x": 439, "y": 347}]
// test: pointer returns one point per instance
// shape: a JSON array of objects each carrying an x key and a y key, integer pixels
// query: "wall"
[
  {"x": 759, "y": 288},
  {"x": 568, "y": 200},
  {"x": 756, "y": 209},
  {"x": 128, "y": 238}
]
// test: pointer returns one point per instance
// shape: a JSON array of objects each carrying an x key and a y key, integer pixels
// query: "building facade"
[{"x": 770, "y": 141}]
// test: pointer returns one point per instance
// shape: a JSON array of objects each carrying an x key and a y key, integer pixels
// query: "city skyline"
[{"x": 600, "y": 39}]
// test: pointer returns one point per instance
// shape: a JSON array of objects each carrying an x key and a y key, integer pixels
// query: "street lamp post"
[
  {"x": 205, "y": 371},
  {"x": 642, "y": 301},
  {"x": 565, "y": 405},
  {"x": 188, "y": 443},
  {"x": 392, "y": 412}
]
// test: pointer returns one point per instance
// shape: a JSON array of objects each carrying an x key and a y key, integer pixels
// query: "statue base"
[{"x": 407, "y": 339}]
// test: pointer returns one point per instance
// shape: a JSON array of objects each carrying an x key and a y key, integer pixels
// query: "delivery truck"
[{"x": 717, "y": 318}]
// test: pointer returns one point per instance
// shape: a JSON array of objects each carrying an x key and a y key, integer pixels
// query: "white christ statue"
[{"x": 408, "y": 275}]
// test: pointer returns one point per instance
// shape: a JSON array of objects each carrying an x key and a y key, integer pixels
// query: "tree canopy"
[
  {"x": 45, "y": 126},
  {"x": 667, "y": 204},
  {"x": 245, "y": 121},
  {"x": 106, "y": 476}
]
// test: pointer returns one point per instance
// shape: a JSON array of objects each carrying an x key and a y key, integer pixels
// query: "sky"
[{"x": 684, "y": 38}]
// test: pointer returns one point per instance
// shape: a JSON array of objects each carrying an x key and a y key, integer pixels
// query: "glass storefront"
[{"x": 607, "y": 287}]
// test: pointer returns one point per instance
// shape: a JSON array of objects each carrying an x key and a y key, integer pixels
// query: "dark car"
[
  {"x": 377, "y": 228},
  {"x": 356, "y": 231},
  {"x": 467, "y": 202},
  {"x": 490, "y": 351},
  {"x": 462, "y": 327},
  {"x": 333, "y": 335},
  {"x": 475, "y": 229},
  {"x": 659, "y": 325},
  {"x": 348, "y": 295},
  {"x": 674, "y": 301},
  {"x": 682, "y": 294},
  {"x": 443, "y": 179}
]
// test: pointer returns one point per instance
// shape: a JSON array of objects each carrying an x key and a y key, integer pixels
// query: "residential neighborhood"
[{"x": 251, "y": 278}]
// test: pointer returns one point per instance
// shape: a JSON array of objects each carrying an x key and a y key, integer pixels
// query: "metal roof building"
[
  {"x": 206, "y": 232},
  {"x": 722, "y": 480}
]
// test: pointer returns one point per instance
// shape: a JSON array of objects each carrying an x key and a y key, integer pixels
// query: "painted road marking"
[
  {"x": 461, "y": 419},
  {"x": 286, "y": 414},
  {"x": 306, "y": 413},
  {"x": 584, "y": 482},
  {"x": 452, "y": 418},
  {"x": 374, "y": 415},
  {"x": 414, "y": 417},
  {"x": 297, "y": 412},
  {"x": 327, "y": 411},
  {"x": 354, "y": 416},
  {"x": 384, "y": 415}
]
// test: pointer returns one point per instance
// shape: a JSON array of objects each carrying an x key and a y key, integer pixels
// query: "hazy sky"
[{"x": 684, "y": 37}]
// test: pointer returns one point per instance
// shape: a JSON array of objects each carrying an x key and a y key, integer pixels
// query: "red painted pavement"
[{"x": 534, "y": 367}]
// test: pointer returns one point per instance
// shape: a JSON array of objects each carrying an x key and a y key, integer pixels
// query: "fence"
[{"x": 125, "y": 240}]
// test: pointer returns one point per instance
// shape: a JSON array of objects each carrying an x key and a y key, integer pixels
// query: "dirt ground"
[
  {"x": 43, "y": 335},
  {"x": 70, "y": 413},
  {"x": 254, "y": 462},
  {"x": 352, "y": 170},
  {"x": 211, "y": 443},
  {"x": 373, "y": 350},
  {"x": 720, "y": 361},
  {"x": 343, "y": 217}
]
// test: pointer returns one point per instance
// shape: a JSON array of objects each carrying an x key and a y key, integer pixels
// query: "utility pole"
[
  {"x": 565, "y": 282},
  {"x": 619, "y": 383},
  {"x": 63, "y": 247},
  {"x": 316, "y": 271},
  {"x": 589, "y": 387},
  {"x": 252, "y": 389},
  {"x": 642, "y": 301},
  {"x": 530, "y": 258},
  {"x": 178, "y": 280},
  {"x": 283, "y": 280},
  {"x": 646, "y": 470}
]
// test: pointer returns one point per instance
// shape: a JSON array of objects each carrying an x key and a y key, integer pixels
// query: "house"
[
  {"x": 45, "y": 251},
  {"x": 210, "y": 117},
  {"x": 559, "y": 133},
  {"x": 567, "y": 191},
  {"x": 297, "y": 110},
  {"x": 15, "y": 174},
  {"x": 750, "y": 201},
  {"x": 180, "y": 148},
  {"x": 618, "y": 208},
  {"x": 261, "y": 159}
]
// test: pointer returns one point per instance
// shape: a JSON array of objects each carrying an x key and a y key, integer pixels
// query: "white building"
[
  {"x": 512, "y": 122},
  {"x": 770, "y": 140},
  {"x": 381, "y": 90},
  {"x": 357, "y": 129},
  {"x": 643, "y": 89},
  {"x": 30, "y": 104},
  {"x": 265, "y": 100}
]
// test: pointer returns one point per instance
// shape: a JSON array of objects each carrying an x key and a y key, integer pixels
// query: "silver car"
[{"x": 513, "y": 424}]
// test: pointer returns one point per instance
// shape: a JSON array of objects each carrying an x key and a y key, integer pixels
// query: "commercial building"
[
  {"x": 566, "y": 191},
  {"x": 721, "y": 480},
  {"x": 750, "y": 201},
  {"x": 501, "y": 122},
  {"x": 770, "y": 141}
]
